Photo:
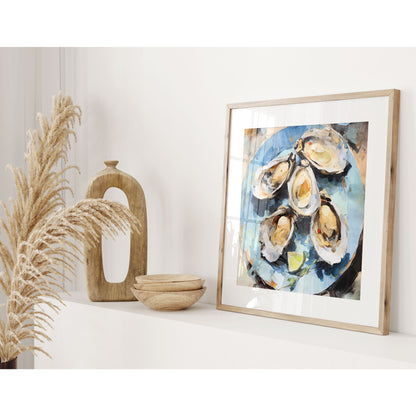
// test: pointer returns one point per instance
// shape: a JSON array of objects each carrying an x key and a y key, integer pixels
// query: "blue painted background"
[{"x": 349, "y": 198}]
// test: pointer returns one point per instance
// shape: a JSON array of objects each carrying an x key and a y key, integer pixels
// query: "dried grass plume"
[{"x": 42, "y": 236}]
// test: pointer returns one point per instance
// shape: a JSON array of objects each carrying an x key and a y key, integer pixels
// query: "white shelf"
[{"x": 129, "y": 335}]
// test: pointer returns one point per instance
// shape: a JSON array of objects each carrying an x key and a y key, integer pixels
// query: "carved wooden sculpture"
[{"x": 99, "y": 289}]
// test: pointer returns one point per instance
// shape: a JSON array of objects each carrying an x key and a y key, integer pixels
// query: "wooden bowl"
[
  {"x": 166, "y": 278},
  {"x": 170, "y": 286},
  {"x": 168, "y": 301}
]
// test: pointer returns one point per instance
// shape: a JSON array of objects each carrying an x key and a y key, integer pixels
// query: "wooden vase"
[{"x": 99, "y": 289}]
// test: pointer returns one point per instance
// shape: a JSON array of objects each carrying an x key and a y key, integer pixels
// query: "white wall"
[{"x": 161, "y": 112}]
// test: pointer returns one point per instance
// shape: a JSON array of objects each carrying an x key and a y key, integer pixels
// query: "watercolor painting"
[{"x": 302, "y": 209}]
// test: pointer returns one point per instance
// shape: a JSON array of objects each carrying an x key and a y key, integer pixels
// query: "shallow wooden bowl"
[
  {"x": 168, "y": 282},
  {"x": 166, "y": 278},
  {"x": 169, "y": 286},
  {"x": 168, "y": 301}
]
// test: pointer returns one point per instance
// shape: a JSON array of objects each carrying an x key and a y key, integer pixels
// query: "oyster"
[
  {"x": 303, "y": 190},
  {"x": 328, "y": 231},
  {"x": 276, "y": 231},
  {"x": 324, "y": 149},
  {"x": 269, "y": 179}
]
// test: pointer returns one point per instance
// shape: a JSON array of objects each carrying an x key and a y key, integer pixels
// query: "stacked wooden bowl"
[{"x": 168, "y": 292}]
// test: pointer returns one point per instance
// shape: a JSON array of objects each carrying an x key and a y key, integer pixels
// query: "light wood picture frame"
[{"x": 290, "y": 277}]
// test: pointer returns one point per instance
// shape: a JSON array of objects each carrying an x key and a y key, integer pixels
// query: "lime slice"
[{"x": 295, "y": 260}]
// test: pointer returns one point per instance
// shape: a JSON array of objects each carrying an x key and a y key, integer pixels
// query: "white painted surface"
[
  {"x": 128, "y": 335},
  {"x": 161, "y": 112}
]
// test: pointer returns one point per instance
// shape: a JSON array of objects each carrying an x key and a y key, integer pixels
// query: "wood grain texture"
[
  {"x": 99, "y": 289},
  {"x": 224, "y": 204},
  {"x": 389, "y": 208},
  {"x": 166, "y": 278},
  {"x": 168, "y": 282},
  {"x": 168, "y": 301},
  {"x": 170, "y": 286},
  {"x": 389, "y": 202},
  {"x": 312, "y": 99}
]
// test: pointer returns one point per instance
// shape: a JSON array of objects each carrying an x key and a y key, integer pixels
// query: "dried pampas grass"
[{"x": 42, "y": 236}]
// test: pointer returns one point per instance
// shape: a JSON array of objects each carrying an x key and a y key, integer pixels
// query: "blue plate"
[{"x": 346, "y": 191}]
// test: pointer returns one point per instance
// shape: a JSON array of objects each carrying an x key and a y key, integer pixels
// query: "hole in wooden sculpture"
[{"x": 116, "y": 253}]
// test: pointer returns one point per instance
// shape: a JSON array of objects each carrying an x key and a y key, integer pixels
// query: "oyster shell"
[
  {"x": 276, "y": 231},
  {"x": 303, "y": 190},
  {"x": 269, "y": 179},
  {"x": 329, "y": 231},
  {"x": 324, "y": 149}
]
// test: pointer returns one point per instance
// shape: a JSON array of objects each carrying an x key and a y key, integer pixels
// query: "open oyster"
[
  {"x": 325, "y": 149},
  {"x": 328, "y": 231},
  {"x": 276, "y": 232},
  {"x": 303, "y": 190},
  {"x": 269, "y": 179}
]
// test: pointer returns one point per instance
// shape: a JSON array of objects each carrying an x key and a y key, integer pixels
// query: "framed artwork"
[{"x": 308, "y": 209}]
